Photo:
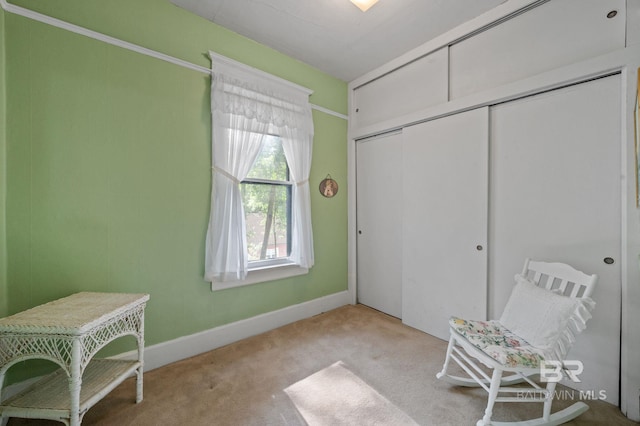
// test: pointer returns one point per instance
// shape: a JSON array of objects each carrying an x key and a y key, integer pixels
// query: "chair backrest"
[{"x": 560, "y": 278}]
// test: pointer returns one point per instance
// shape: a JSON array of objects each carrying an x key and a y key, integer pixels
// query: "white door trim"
[{"x": 625, "y": 61}]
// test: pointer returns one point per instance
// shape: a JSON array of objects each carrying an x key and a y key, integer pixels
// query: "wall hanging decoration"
[{"x": 328, "y": 187}]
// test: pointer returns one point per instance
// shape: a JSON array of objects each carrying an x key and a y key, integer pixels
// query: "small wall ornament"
[{"x": 328, "y": 187}]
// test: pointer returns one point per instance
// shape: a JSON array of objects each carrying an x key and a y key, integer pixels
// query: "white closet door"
[
  {"x": 445, "y": 221},
  {"x": 555, "y": 196},
  {"x": 379, "y": 200}
]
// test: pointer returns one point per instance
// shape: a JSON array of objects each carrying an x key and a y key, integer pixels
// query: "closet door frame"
[{"x": 624, "y": 61}]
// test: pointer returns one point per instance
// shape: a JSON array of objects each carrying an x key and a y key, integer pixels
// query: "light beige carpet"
[
  {"x": 335, "y": 396},
  {"x": 244, "y": 384}
]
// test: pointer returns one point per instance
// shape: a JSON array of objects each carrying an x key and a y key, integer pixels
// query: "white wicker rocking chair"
[{"x": 548, "y": 307}]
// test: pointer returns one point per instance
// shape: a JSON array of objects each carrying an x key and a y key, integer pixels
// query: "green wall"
[
  {"x": 108, "y": 165},
  {"x": 3, "y": 180}
]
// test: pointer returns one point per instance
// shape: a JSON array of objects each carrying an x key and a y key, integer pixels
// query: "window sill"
[{"x": 263, "y": 274}]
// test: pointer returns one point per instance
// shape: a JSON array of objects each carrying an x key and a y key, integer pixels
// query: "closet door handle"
[
  {"x": 479, "y": 247},
  {"x": 609, "y": 260}
]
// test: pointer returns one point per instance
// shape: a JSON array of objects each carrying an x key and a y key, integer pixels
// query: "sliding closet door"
[
  {"x": 445, "y": 221},
  {"x": 555, "y": 195},
  {"x": 379, "y": 199}
]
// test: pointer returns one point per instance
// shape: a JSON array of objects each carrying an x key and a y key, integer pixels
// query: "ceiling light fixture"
[{"x": 364, "y": 5}]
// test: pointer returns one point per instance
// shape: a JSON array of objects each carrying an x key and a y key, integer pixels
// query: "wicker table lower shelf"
[{"x": 48, "y": 398}]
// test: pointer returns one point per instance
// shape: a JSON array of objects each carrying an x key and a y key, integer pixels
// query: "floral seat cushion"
[{"x": 499, "y": 343}]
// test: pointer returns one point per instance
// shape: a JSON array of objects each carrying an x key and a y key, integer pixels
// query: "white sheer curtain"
[
  {"x": 247, "y": 104},
  {"x": 298, "y": 147}
]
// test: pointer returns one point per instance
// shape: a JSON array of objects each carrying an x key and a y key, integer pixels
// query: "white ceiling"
[{"x": 334, "y": 35}]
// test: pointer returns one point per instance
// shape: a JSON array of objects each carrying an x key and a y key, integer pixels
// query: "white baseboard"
[{"x": 164, "y": 353}]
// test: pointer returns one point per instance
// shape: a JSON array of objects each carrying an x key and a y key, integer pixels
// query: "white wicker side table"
[{"x": 69, "y": 332}]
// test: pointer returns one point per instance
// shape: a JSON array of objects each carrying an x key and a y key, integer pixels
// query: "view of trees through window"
[{"x": 266, "y": 194}]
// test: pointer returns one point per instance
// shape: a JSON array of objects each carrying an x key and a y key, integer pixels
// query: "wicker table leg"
[
  {"x": 139, "y": 371},
  {"x": 75, "y": 383},
  {"x": 139, "y": 385},
  {"x": 2, "y": 374}
]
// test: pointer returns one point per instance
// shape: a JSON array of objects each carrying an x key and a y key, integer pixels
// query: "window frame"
[
  {"x": 270, "y": 269},
  {"x": 289, "y": 103}
]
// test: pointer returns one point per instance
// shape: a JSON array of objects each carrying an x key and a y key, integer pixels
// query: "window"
[
  {"x": 266, "y": 196},
  {"x": 262, "y": 143}
]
